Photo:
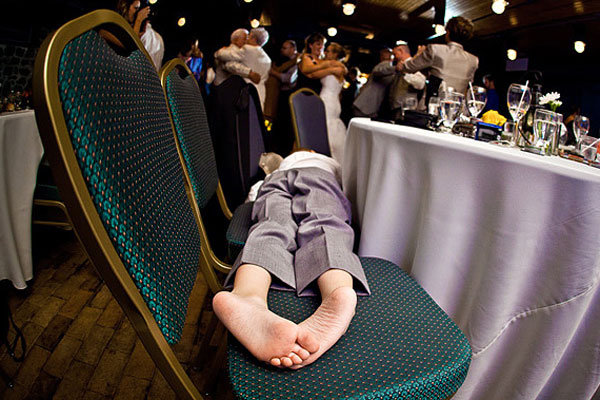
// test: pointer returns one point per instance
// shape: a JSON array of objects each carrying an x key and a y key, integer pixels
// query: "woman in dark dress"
[{"x": 312, "y": 66}]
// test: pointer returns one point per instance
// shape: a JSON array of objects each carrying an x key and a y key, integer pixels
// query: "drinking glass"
[
  {"x": 545, "y": 128},
  {"x": 433, "y": 108},
  {"x": 451, "y": 104},
  {"x": 476, "y": 98},
  {"x": 588, "y": 147},
  {"x": 581, "y": 126},
  {"x": 518, "y": 99},
  {"x": 409, "y": 102}
]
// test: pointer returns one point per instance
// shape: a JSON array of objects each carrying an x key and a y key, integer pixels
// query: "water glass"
[
  {"x": 433, "y": 108},
  {"x": 409, "y": 102},
  {"x": 581, "y": 126},
  {"x": 545, "y": 129},
  {"x": 451, "y": 105},
  {"x": 476, "y": 99},
  {"x": 588, "y": 147},
  {"x": 518, "y": 99}
]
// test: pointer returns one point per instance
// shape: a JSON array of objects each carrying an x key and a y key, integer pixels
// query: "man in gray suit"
[
  {"x": 301, "y": 240},
  {"x": 371, "y": 98},
  {"x": 449, "y": 62}
]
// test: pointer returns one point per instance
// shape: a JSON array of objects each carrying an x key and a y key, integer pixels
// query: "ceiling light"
[
  {"x": 247, "y": 1},
  {"x": 152, "y": 1},
  {"x": 254, "y": 23},
  {"x": 498, "y": 6},
  {"x": 348, "y": 7},
  {"x": 511, "y": 54},
  {"x": 331, "y": 31},
  {"x": 370, "y": 36},
  {"x": 579, "y": 46},
  {"x": 181, "y": 21}
]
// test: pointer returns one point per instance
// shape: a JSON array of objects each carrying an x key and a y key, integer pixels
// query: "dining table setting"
[{"x": 503, "y": 232}]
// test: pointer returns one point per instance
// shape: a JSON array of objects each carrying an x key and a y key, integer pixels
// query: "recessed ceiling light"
[
  {"x": 181, "y": 21},
  {"x": 331, "y": 31},
  {"x": 511, "y": 54},
  {"x": 498, "y": 6},
  {"x": 579, "y": 46},
  {"x": 254, "y": 23}
]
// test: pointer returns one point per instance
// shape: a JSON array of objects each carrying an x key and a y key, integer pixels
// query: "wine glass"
[
  {"x": 545, "y": 124},
  {"x": 581, "y": 126},
  {"x": 433, "y": 108},
  {"x": 518, "y": 99},
  {"x": 410, "y": 102},
  {"x": 451, "y": 104},
  {"x": 476, "y": 99}
]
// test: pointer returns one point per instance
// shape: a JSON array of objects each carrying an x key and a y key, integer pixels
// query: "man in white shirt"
[
  {"x": 229, "y": 60},
  {"x": 301, "y": 240},
  {"x": 257, "y": 60}
]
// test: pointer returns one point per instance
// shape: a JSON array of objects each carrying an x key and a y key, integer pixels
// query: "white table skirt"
[
  {"x": 20, "y": 154},
  {"x": 506, "y": 242}
]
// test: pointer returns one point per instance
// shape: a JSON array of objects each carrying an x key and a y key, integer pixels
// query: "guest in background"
[
  {"x": 493, "y": 101},
  {"x": 370, "y": 100},
  {"x": 404, "y": 83},
  {"x": 229, "y": 59},
  {"x": 280, "y": 85},
  {"x": 190, "y": 54},
  {"x": 449, "y": 62},
  {"x": 349, "y": 93},
  {"x": 257, "y": 59},
  {"x": 138, "y": 19},
  {"x": 385, "y": 54}
]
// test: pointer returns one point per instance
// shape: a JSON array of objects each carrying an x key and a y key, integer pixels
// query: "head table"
[
  {"x": 506, "y": 242},
  {"x": 20, "y": 154}
]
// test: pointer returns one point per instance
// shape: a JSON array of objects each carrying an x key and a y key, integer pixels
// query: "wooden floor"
[{"x": 79, "y": 343}]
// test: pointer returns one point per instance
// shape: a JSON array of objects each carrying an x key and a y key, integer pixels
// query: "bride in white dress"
[{"x": 330, "y": 94}]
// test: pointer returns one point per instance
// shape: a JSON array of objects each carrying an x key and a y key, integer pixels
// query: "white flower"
[{"x": 551, "y": 97}]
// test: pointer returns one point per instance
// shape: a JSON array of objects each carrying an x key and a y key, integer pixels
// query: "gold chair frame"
[
  {"x": 210, "y": 262},
  {"x": 67, "y": 225},
  {"x": 73, "y": 190}
]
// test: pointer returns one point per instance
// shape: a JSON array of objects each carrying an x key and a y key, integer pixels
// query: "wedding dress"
[{"x": 336, "y": 130}]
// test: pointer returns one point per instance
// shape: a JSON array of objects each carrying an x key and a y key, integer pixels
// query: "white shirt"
[
  {"x": 303, "y": 159},
  {"x": 154, "y": 45},
  {"x": 229, "y": 60},
  {"x": 258, "y": 61}
]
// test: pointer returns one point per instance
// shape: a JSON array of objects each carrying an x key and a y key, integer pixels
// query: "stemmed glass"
[
  {"x": 581, "y": 126},
  {"x": 518, "y": 99},
  {"x": 451, "y": 105},
  {"x": 545, "y": 124},
  {"x": 476, "y": 99}
]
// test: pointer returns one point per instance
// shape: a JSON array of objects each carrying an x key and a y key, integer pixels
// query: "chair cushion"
[
  {"x": 238, "y": 229},
  {"x": 400, "y": 345},
  {"x": 116, "y": 113}
]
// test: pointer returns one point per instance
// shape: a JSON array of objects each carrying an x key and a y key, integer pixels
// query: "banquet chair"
[
  {"x": 309, "y": 121},
  {"x": 192, "y": 136},
  {"x": 106, "y": 130}
]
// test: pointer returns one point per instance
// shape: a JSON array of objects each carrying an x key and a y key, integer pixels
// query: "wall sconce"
[
  {"x": 332, "y": 31},
  {"x": 498, "y": 6},
  {"x": 579, "y": 46},
  {"x": 511, "y": 54},
  {"x": 348, "y": 7}
]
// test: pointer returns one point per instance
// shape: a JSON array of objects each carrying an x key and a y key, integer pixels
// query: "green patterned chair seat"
[
  {"x": 400, "y": 345},
  {"x": 237, "y": 231}
]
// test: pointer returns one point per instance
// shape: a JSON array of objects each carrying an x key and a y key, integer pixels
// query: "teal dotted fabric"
[
  {"x": 191, "y": 125},
  {"x": 400, "y": 345},
  {"x": 237, "y": 231},
  {"x": 117, "y": 117}
]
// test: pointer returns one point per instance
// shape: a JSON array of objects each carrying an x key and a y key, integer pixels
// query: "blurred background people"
[
  {"x": 257, "y": 60},
  {"x": 493, "y": 101},
  {"x": 229, "y": 59},
  {"x": 137, "y": 16}
]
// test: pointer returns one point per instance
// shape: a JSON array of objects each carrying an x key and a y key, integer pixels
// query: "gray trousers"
[{"x": 301, "y": 229}]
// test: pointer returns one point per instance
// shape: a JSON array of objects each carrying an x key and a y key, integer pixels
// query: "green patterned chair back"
[
  {"x": 191, "y": 125},
  {"x": 107, "y": 132}
]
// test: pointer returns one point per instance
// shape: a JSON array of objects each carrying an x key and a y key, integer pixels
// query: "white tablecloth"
[
  {"x": 506, "y": 242},
  {"x": 20, "y": 154}
]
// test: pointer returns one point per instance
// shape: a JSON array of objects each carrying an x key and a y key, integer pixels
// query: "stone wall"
[{"x": 16, "y": 68}]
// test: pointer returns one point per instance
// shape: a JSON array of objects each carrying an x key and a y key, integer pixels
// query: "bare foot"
[
  {"x": 329, "y": 322},
  {"x": 266, "y": 335}
]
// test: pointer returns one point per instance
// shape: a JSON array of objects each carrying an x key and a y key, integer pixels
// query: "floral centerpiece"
[{"x": 552, "y": 99}]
